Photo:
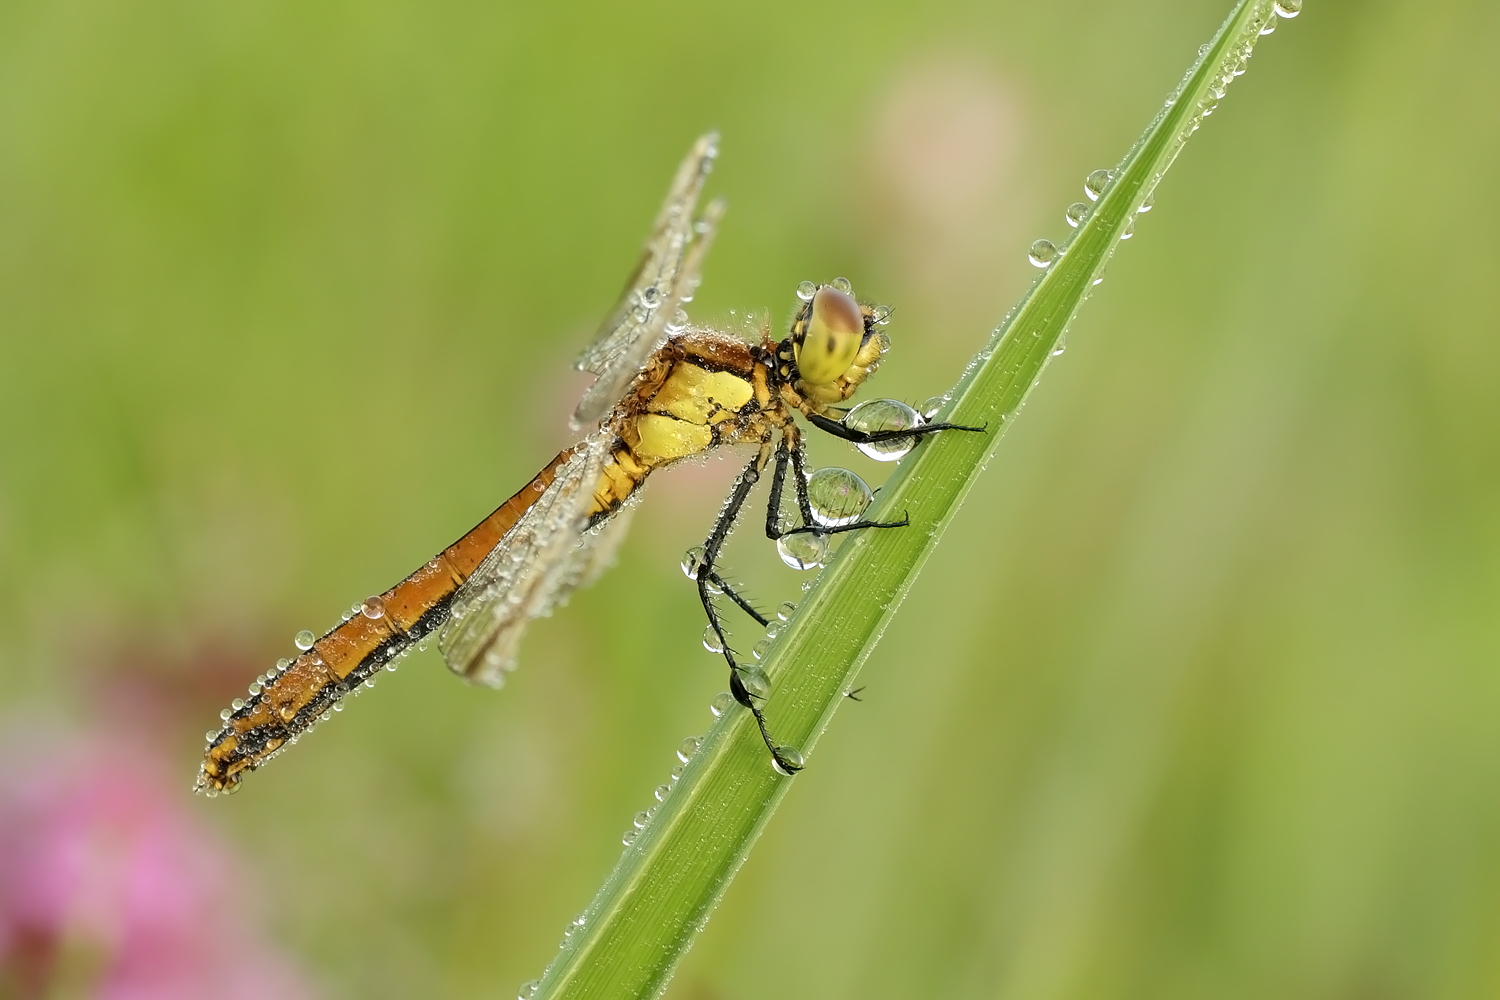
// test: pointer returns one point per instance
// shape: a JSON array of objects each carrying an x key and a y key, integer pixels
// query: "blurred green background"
[{"x": 289, "y": 294}]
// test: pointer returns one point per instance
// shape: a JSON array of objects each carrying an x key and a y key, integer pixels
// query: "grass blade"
[{"x": 670, "y": 878}]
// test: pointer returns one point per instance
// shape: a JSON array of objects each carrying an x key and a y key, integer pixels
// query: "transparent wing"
[
  {"x": 545, "y": 555},
  {"x": 669, "y": 270}
]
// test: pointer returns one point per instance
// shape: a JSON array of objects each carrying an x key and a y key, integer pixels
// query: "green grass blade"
[{"x": 668, "y": 881}]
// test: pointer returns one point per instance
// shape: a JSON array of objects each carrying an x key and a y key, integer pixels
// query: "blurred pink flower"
[{"x": 108, "y": 887}]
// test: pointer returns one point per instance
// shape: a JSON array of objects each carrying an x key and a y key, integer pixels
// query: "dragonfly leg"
[
  {"x": 706, "y": 575},
  {"x": 795, "y": 455},
  {"x": 737, "y": 598},
  {"x": 837, "y": 429}
]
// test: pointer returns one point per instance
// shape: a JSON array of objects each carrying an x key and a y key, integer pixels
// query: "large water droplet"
[
  {"x": 372, "y": 608},
  {"x": 788, "y": 761},
  {"x": 806, "y": 291},
  {"x": 1042, "y": 253},
  {"x": 528, "y": 990},
  {"x": 692, "y": 561},
  {"x": 1148, "y": 204},
  {"x": 1095, "y": 183},
  {"x": 786, "y": 610},
  {"x": 837, "y": 497},
  {"x": 802, "y": 551},
  {"x": 237, "y": 704},
  {"x": 875, "y": 415},
  {"x": 755, "y": 682},
  {"x": 723, "y": 702},
  {"x": 932, "y": 405},
  {"x": 687, "y": 748},
  {"x": 760, "y": 649},
  {"x": 842, "y": 284},
  {"x": 711, "y": 640},
  {"x": 640, "y": 820},
  {"x": 1129, "y": 230},
  {"x": 881, "y": 315},
  {"x": 1076, "y": 213},
  {"x": 304, "y": 640},
  {"x": 1270, "y": 26},
  {"x": 1288, "y": 8}
]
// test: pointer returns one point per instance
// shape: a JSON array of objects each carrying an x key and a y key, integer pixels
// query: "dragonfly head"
[{"x": 834, "y": 343}]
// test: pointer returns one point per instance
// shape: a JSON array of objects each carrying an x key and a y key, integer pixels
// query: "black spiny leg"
[
  {"x": 795, "y": 456},
  {"x": 788, "y": 763},
  {"x": 837, "y": 429}
]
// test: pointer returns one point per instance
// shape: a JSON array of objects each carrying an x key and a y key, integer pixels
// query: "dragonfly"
[{"x": 666, "y": 390}]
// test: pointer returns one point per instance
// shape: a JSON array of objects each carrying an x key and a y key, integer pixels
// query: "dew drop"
[
  {"x": 711, "y": 640},
  {"x": 282, "y": 664},
  {"x": 932, "y": 405},
  {"x": 630, "y": 836},
  {"x": 723, "y": 702},
  {"x": 876, "y": 415},
  {"x": 225, "y": 713},
  {"x": 255, "y": 688},
  {"x": 1042, "y": 253},
  {"x": 304, "y": 640},
  {"x": 1095, "y": 183},
  {"x": 1129, "y": 230},
  {"x": 528, "y": 990},
  {"x": 1270, "y": 26},
  {"x": 1148, "y": 204},
  {"x": 760, "y": 649},
  {"x": 881, "y": 315},
  {"x": 692, "y": 561},
  {"x": 650, "y": 297},
  {"x": 842, "y": 284},
  {"x": 641, "y": 819},
  {"x": 802, "y": 551},
  {"x": 661, "y": 792},
  {"x": 687, "y": 748},
  {"x": 372, "y": 608},
  {"x": 237, "y": 704},
  {"x": 212, "y": 735},
  {"x": 806, "y": 290},
  {"x": 347, "y": 615},
  {"x": 1076, "y": 213},
  {"x": 837, "y": 497},
  {"x": 793, "y": 758},
  {"x": 1288, "y": 8},
  {"x": 786, "y": 610},
  {"x": 1060, "y": 346},
  {"x": 755, "y": 682}
]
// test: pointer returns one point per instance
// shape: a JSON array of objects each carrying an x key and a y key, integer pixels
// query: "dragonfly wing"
[
  {"x": 533, "y": 567},
  {"x": 668, "y": 272}
]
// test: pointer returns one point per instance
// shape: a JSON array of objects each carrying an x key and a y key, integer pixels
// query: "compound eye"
[{"x": 830, "y": 338}]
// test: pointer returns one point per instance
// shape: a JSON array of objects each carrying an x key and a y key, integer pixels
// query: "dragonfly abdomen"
[{"x": 295, "y": 695}]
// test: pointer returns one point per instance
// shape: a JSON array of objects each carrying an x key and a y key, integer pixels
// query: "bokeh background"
[{"x": 289, "y": 293}]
